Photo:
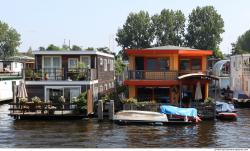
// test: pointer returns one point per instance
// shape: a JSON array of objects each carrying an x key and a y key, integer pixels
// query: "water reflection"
[{"x": 92, "y": 134}]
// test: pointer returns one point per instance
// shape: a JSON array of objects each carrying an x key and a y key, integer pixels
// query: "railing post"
[
  {"x": 111, "y": 110},
  {"x": 100, "y": 110}
]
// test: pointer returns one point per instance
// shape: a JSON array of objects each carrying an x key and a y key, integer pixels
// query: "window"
[
  {"x": 105, "y": 87},
  {"x": 190, "y": 64},
  {"x": 101, "y": 61},
  {"x": 111, "y": 65},
  {"x": 158, "y": 64},
  {"x": 196, "y": 64},
  {"x": 72, "y": 63},
  {"x": 184, "y": 64},
  {"x": 105, "y": 64},
  {"x": 101, "y": 88},
  {"x": 86, "y": 61}
]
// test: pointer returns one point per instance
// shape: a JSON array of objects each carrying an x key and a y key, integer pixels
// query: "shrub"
[
  {"x": 36, "y": 100},
  {"x": 129, "y": 101},
  {"x": 81, "y": 102}
]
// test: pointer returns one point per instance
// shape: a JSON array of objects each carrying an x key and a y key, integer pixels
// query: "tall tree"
[
  {"x": 41, "y": 48},
  {"x": 53, "y": 47},
  {"x": 137, "y": 31},
  {"x": 75, "y": 47},
  {"x": 29, "y": 52},
  {"x": 204, "y": 29},
  {"x": 242, "y": 44},
  {"x": 9, "y": 41},
  {"x": 169, "y": 27}
]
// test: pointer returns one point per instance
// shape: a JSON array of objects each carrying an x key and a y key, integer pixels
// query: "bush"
[
  {"x": 36, "y": 100},
  {"x": 81, "y": 102},
  {"x": 130, "y": 101},
  {"x": 209, "y": 101}
]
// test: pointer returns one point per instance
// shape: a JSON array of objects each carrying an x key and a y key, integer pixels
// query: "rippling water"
[{"x": 91, "y": 133}]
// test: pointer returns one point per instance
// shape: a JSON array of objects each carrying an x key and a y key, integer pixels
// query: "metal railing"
[
  {"x": 151, "y": 75},
  {"x": 43, "y": 108},
  {"x": 72, "y": 74}
]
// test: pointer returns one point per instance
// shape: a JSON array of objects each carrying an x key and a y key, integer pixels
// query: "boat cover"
[
  {"x": 168, "y": 109},
  {"x": 224, "y": 107}
]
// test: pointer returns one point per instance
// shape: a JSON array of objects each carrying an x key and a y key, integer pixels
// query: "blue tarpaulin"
[
  {"x": 224, "y": 107},
  {"x": 168, "y": 109}
]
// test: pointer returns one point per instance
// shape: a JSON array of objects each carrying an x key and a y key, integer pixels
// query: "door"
[{"x": 52, "y": 67}]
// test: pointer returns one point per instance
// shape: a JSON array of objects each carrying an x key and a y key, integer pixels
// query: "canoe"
[{"x": 227, "y": 116}]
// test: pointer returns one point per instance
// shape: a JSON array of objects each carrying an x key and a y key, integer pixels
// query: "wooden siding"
[{"x": 35, "y": 90}]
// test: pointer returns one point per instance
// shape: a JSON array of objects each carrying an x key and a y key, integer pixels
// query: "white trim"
[
  {"x": 59, "y": 87},
  {"x": 61, "y": 82},
  {"x": 83, "y": 52}
]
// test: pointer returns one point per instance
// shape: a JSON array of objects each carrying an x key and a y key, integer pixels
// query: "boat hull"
[{"x": 227, "y": 116}]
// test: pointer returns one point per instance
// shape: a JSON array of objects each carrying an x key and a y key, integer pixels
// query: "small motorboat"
[
  {"x": 139, "y": 117},
  {"x": 169, "y": 115},
  {"x": 225, "y": 111}
]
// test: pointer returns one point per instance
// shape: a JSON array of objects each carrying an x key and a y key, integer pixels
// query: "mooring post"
[
  {"x": 111, "y": 110},
  {"x": 14, "y": 94},
  {"x": 100, "y": 110}
]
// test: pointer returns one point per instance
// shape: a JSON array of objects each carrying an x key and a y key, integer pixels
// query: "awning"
[{"x": 201, "y": 76}]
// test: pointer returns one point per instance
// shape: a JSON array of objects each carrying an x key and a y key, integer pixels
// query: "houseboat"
[
  {"x": 168, "y": 75},
  {"x": 68, "y": 74},
  {"x": 240, "y": 79}
]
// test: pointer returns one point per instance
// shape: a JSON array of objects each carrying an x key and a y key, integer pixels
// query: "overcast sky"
[{"x": 94, "y": 23}]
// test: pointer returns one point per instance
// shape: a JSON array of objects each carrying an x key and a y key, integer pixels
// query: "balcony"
[
  {"x": 57, "y": 74},
  {"x": 151, "y": 75}
]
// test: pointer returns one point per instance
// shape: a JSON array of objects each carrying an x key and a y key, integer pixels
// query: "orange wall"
[{"x": 131, "y": 90}]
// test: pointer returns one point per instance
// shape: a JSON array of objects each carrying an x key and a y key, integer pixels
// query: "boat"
[
  {"x": 186, "y": 116},
  {"x": 225, "y": 111}
]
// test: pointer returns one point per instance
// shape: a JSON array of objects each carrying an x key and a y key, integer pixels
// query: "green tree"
[
  {"x": 9, "y": 41},
  {"x": 169, "y": 27},
  {"x": 90, "y": 48},
  {"x": 53, "y": 47},
  {"x": 75, "y": 47},
  {"x": 65, "y": 47},
  {"x": 119, "y": 66},
  {"x": 137, "y": 32},
  {"x": 41, "y": 49},
  {"x": 204, "y": 29},
  {"x": 242, "y": 44},
  {"x": 29, "y": 52}
]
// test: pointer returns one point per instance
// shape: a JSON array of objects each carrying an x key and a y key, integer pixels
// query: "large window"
[
  {"x": 86, "y": 61},
  {"x": 72, "y": 63},
  {"x": 190, "y": 64},
  {"x": 157, "y": 64}
]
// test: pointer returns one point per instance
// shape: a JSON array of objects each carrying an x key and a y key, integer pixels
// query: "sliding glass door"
[{"x": 52, "y": 67}]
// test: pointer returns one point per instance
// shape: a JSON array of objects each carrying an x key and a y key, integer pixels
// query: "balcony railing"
[
  {"x": 152, "y": 75},
  {"x": 73, "y": 74}
]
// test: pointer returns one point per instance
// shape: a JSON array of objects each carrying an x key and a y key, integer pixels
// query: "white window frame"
[
  {"x": 69, "y": 62},
  {"x": 105, "y": 68},
  {"x": 89, "y": 61},
  {"x": 58, "y": 87},
  {"x": 101, "y": 61}
]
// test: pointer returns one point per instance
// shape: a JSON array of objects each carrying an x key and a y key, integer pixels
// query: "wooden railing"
[
  {"x": 152, "y": 75},
  {"x": 72, "y": 74},
  {"x": 43, "y": 108}
]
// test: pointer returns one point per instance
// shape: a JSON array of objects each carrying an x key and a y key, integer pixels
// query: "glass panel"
[
  {"x": 151, "y": 63},
  {"x": 86, "y": 61},
  {"x": 54, "y": 94},
  {"x": 145, "y": 94},
  {"x": 56, "y": 62},
  {"x": 162, "y": 95},
  {"x": 72, "y": 63},
  {"x": 163, "y": 63},
  {"x": 196, "y": 64},
  {"x": 184, "y": 64},
  {"x": 47, "y": 62}
]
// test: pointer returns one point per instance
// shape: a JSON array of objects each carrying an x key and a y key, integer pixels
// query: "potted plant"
[
  {"x": 38, "y": 75},
  {"x": 46, "y": 76},
  {"x": 81, "y": 103},
  {"x": 35, "y": 102},
  {"x": 28, "y": 74}
]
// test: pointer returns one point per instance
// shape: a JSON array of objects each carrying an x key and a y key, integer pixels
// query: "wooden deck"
[{"x": 46, "y": 112}]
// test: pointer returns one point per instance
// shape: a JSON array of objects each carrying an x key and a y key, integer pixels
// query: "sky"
[{"x": 94, "y": 23}]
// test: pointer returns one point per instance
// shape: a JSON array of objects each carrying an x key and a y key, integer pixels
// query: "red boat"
[{"x": 227, "y": 116}]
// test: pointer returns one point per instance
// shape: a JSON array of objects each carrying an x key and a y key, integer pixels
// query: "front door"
[{"x": 52, "y": 67}]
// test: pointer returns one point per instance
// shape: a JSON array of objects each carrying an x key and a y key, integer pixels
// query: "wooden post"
[
  {"x": 23, "y": 74},
  {"x": 111, "y": 109},
  {"x": 100, "y": 110},
  {"x": 14, "y": 91}
]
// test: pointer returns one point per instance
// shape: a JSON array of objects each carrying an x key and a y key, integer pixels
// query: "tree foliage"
[
  {"x": 53, "y": 47},
  {"x": 169, "y": 27},
  {"x": 242, "y": 44},
  {"x": 29, "y": 52},
  {"x": 136, "y": 32},
  {"x": 41, "y": 48},
  {"x": 75, "y": 47},
  {"x": 204, "y": 29},
  {"x": 9, "y": 41},
  {"x": 119, "y": 66}
]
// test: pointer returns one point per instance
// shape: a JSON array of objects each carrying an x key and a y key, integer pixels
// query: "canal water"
[{"x": 92, "y": 134}]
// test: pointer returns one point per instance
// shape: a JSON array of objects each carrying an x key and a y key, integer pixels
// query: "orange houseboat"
[{"x": 167, "y": 74}]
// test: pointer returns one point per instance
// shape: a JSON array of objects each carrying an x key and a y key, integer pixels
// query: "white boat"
[{"x": 144, "y": 117}]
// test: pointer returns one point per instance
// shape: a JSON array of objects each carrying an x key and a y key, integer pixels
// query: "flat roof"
[
  {"x": 170, "y": 47},
  {"x": 71, "y": 52}
]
